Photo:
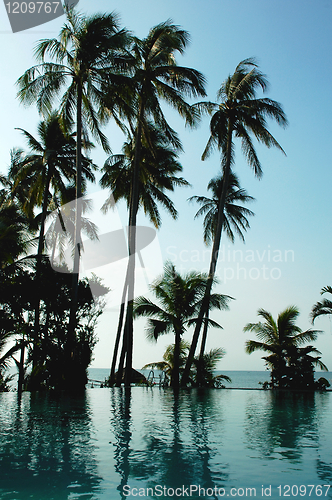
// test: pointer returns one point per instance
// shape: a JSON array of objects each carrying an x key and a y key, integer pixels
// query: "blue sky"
[{"x": 291, "y": 232}]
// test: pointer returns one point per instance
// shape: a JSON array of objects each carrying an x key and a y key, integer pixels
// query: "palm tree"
[
  {"x": 159, "y": 167},
  {"x": 87, "y": 55},
  {"x": 235, "y": 216},
  {"x": 205, "y": 367},
  {"x": 167, "y": 364},
  {"x": 49, "y": 163},
  {"x": 239, "y": 114},
  {"x": 157, "y": 75},
  {"x": 279, "y": 339},
  {"x": 180, "y": 298},
  {"x": 158, "y": 173},
  {"x": 323, "y": 307},
  {"x": 15, "y": 236}
]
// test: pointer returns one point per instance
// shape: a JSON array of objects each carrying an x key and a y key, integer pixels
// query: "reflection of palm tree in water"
[
  {"x": 46, "y": 443},
  {"x": 121, "y": 423},
  {"x": 282, "y": 425},
  {"x": 177, "y": 451}
]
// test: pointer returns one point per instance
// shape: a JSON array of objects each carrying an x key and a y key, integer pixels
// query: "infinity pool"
[{"x": 112, "y": 444}]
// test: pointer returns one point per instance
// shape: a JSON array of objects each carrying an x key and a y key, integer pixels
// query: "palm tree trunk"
[
  {"x": 78, "y": 212},
  {"x": 119, "y": 329},
  {"x": 214, "y": 258},
  {"x": 132, "y": 246},
  {"x": 204, "y": 336},
  {"x": 175, "y": 382}
]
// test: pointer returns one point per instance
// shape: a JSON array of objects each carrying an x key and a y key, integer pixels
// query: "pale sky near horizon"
[{"x": 287, "y": 255}]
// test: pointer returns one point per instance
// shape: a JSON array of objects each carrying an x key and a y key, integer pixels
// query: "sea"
[
  {"x": 239, "y": 379},
  {"x": 149, "y": 442}
]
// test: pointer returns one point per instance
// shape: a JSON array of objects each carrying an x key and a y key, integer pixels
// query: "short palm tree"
[
  {"x": 279, "y": 339},
  {"x": 179, "y": 299},
  {"x": 167, "y": 364},
  {"x": 157, "y": 76},
  {"x": 239, "y": 114},
  {"x": 205, "y": 367},
  {"x": 324, "y": 307},
  {"x": 87, "y": 54}
]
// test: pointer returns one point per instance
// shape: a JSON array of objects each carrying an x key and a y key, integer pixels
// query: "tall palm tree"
[
  {"x": 159, "y": 167},
  {"x": 48, "y": 166},
  {"x": 235, "y": 216},
  {"x": 87, "y": 54},
  {"x": 157, "y": 76},
  {"x": 239, "y": 114},
  {"x": 278, "y": 339},
  {"x": 323, "y": 307},
  {"x": 235, "y": 219},
  {"x": 179, "y": 300}
]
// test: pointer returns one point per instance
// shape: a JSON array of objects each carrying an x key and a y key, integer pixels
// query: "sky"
[{"x": 286, "y": 259}]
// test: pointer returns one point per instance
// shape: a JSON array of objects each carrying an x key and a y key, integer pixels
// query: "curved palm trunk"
[
  {"x": 119, "y": 330},
  {"x": 128, "y": 333},
  {"x": 214, "y": 259},
  {"x": 78, "y": 212}
]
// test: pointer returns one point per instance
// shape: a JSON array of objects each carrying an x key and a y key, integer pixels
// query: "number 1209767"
[
  {"x": 310, "y": 490},
  {"x": 32, "y": 7}
]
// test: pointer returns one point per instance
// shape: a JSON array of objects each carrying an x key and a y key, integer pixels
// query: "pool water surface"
[{"x": 149, "y": 443}]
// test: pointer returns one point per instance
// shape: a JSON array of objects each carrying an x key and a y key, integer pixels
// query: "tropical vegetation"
[
  {"x": 290, "y": 361},
  {"x": 239, "y": 114},
  {"x": 210, "y": 361},
  {"x": 92, "y": 72},
  {"x": 178, "y": 302}
]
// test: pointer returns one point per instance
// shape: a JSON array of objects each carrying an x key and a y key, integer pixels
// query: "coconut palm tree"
[
  {"x": 324, "y": 307},
  {"x": 157, "y": 76},
  {"x": 238, "y": 114},
  {"x": 167, "y": 364},
  {"x": 87, "y": 55},
  {"x": 179, "y": 299},
  {"x": 205, "y": 367},
  {"x": 15, "y": 236},
  {"x": 235, "y": 216},
  {"x": 158, "y": 173},
  {"x": 47, "y": 167},
  {"x": 280, "y": 339},
  {"x": 159, "y": 167}
]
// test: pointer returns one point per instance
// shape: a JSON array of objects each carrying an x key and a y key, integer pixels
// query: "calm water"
[
  {"x": 240, "y": 379},
  {"x": 107, "y": 442}
]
